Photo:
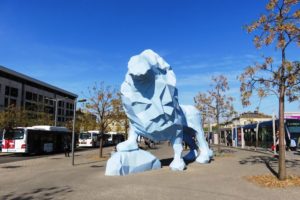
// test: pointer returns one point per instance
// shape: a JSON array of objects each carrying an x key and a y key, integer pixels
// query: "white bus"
[
  {"x": 114, "y": 138},
  {"x": 92, "y": 138},
  {"x": 36, "y": 139},
  {"x": 89, "y": 139}
]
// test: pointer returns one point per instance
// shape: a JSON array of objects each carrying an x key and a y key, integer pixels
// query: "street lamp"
[{"x": 73, "y": 130}]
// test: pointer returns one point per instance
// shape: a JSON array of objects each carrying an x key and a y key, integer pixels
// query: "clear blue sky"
[{"x": 74, "y": 43}]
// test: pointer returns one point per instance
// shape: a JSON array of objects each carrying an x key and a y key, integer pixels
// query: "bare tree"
[
  {"x": 119, "y": 114},
  {"x": 84, "y": 121},
  {"x": 100, "y": 103},
  {"x": 215, "y": 102},
  {"x": 279, "y": 25}
]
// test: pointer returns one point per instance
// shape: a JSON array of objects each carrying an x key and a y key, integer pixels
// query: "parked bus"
[
  {"x": 89, "y": 139},
  {"x": 92, "y": 138},
  {"x": 114, "y": 138},
  {"x": 265, "y": 133},
  {"x": 36, "y": 139}
]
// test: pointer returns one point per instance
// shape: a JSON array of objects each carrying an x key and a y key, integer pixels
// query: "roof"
[
  {"x": 252, "y": 115},
  {"x": 46, "y": 128},
  {"x": 49, "y": 128},
  {"x": 24, "y": 78}
]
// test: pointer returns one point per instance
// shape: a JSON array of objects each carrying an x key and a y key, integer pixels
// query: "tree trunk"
[
  {"x": 218, "y": 126},
  {"x": 219, "y": 138},
  {"x": 101, "y": 146},
  {"x": 281, "y": 162}
]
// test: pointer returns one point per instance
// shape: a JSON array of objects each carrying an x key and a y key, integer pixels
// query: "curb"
[{"x": 5, "y": 154}]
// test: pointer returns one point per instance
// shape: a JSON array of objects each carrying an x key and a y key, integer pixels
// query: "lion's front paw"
[
  {"x": 127, "y": 145},
  {"x": 177, "y": 165},
  {"x": 203, "y": 158}
]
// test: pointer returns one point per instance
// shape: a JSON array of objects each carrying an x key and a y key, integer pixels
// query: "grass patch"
[{"x": 271, "y": 181}]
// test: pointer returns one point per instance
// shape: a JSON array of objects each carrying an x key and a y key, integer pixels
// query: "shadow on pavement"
[
  {"x": 11, "y": 167},
  {"x": 86, "y": 163},
  {"x": 297, "y": 153},
  {"x": 229, "y": 151},
  {"x": 96, "y": 166},
  {"x": 40, "y": 193},
  {"x": 270, "y": 162},
  {"x": 166, "y": 162}
]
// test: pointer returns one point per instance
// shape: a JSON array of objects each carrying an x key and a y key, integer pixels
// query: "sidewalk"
[{"x": 54, "y": 177}]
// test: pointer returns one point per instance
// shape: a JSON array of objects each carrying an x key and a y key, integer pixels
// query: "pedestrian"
[
  {"x": 67, "y": 147},
  {"x": 277, "y": 141}
]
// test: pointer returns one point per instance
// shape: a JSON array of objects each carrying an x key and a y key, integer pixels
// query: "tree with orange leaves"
[
  {"x": 280, "y": 26},
  {"x": 215, "y": 103},
  {"x": 101, "y": 102}
]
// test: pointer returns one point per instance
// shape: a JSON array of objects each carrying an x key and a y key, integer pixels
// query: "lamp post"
[{"x": 73, "y": 129}]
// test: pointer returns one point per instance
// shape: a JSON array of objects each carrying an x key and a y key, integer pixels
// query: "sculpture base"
[{"x": 130, "y": 162}]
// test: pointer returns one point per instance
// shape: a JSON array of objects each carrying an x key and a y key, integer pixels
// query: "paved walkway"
[{"x": 54, "y": 177}]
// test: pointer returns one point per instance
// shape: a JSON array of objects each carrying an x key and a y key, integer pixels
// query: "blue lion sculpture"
[{"x": 150, "y": 100}]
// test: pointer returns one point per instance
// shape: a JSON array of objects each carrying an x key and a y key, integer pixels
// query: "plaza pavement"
[{"x": 54, "y": 177}]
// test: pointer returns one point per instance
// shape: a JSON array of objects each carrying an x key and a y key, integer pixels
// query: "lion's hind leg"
[{"x": 193, "y": 119}]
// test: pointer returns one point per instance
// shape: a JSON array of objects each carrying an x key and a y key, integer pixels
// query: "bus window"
[
  {"x": 15, "y": 134},
  {"x": 85, "y": 136},
  {"x": 294, "y": 127}
]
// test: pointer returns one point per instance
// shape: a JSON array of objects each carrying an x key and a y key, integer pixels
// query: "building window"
[
  {"x": 28, "y": 96},
  {"x": 34, "y": 97},
  {"x": 30, "y": 106},
  {"x": 7, "y": 90},
  {"x": 40, "y": 98},
  {"x": 6, "y": 102},
  {"x": 49, "y": 110},
  {"x": 13, "y": 92},
  {"x": 61, "y": 104}
]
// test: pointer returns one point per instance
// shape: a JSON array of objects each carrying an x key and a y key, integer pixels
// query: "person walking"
[{"x": 67, "y": 147}]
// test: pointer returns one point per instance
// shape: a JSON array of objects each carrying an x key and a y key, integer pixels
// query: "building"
[
  {"x": 33, "y": 95},
  {"x": 249, "y": 118}
]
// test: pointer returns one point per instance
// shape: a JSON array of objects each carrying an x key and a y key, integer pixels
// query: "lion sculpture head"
[{"x": 150, "y": 96}]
